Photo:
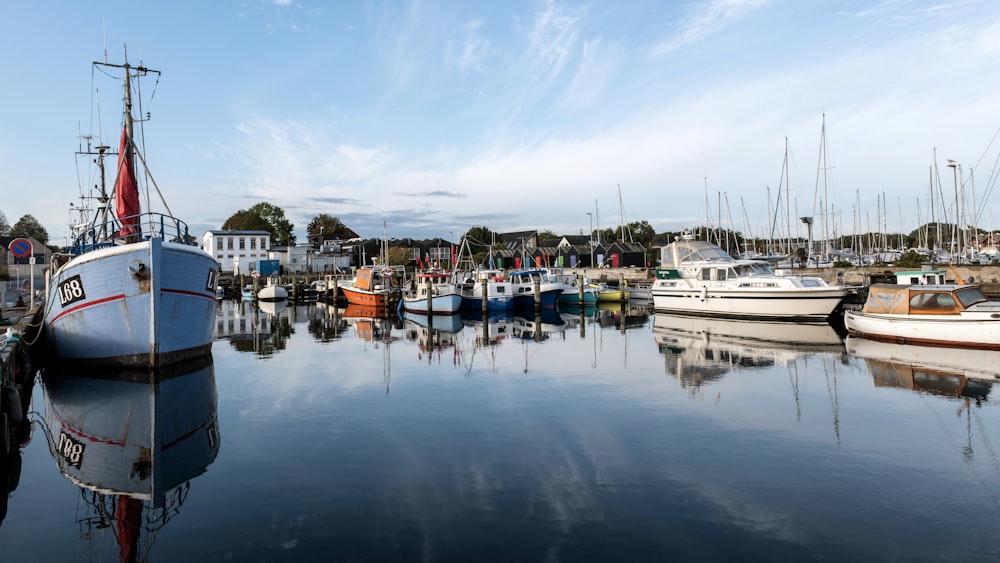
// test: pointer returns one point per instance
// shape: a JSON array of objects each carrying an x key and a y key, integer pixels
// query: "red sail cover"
[{"x": 126, "y": 191}]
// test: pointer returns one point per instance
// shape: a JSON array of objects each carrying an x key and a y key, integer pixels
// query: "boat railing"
[{"x": 148, "y": 225}]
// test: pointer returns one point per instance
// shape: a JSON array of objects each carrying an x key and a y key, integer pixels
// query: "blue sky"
[{"x": 432, "y": 117}]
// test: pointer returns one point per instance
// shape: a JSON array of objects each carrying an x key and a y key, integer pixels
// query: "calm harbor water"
[{"x": 318, "y": 434}]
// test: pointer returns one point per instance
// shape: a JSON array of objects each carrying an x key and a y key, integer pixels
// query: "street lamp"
[
  {"x": 956, "y": 241},
  {"x": 591, "y": 238},
  {"x": 808, "y": 221}
]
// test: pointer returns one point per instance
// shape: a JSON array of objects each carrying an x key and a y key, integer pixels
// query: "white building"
[{"x": 237, "y": 252}]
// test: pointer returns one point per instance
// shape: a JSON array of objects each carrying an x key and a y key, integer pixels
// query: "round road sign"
[{"x": 20, "y": 247}]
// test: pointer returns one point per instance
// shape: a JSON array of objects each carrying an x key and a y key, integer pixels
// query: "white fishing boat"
[
  {"x": 535, "y": 287},
  {"x": 132, "y": 441},
  {"x": 273, "y": 291},
  {"x": 136, "y": 290},
  {"x": 700, "y": 278},
  {"x": 952, "y": 315},
  {"x": 434, "y": 292}
]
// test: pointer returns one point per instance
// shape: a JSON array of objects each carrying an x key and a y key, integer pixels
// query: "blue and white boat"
[
  {"x": 524, "y": 283},
  {"x": 433, "y": 292},
  {"x": 477, "y": 285},
  {"x": 136, "y": 289}
]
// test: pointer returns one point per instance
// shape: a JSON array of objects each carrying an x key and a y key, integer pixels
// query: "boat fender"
[{"x": 704, "y": 292}]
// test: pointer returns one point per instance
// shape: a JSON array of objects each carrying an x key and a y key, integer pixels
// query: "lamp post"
[
  {"x": 591, "y": 238},
  {"x": 808, "y": 221},
  {"x": 956, "y": 244}
]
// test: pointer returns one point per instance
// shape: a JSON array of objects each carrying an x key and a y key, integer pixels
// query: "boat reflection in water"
[
  {"x": 261, "y": 328},
  {"x": 433, "y": 334},
  {"x": 953, "y": 372},
  {"x": 132, "y": 441},
  {"x": 698, "y": 350}
]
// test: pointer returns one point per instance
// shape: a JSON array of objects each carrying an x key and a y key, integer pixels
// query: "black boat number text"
[
  {"x": 71, "y": 291},
  {"x": 71, "y": 449}
]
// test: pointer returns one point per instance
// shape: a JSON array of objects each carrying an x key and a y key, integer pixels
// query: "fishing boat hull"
[
  {"x": 365, "y": 298},
  {"x": 500, "y": 296},
  {"x": 145, "y": 304},
  {"x": 571, "y": 296},
  {"x": 440, "y": 304},
  {"x": 967, "y": 331},
  {"x": 546, "y": 299},
  {"x": 788, "y": 304}
]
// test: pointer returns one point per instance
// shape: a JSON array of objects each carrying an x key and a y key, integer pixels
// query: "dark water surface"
[{"x": 314, "y": 436}]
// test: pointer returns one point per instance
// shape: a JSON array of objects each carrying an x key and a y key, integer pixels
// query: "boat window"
[
  {"x": 971, "y": 296},
  {"x": 706, "y": 273},
  {"x": 721, "y": 273},
  {"x": 932, "y": 302}
]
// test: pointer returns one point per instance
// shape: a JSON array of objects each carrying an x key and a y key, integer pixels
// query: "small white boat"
[
  {"x": 700, "y": 278},
  {"x": 434, "y": 292},
  {"x": 958, "y": 316},
  {"x": 273, "y": 291},
  {"x": 246, "y": 294}
]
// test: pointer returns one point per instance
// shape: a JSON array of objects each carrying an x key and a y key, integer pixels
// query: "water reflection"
[
  {"x": 434, "y": 335},
  {"x": 941, "y": 371},
  {"x": 699, "y": 350},
  {"x": 132, "y": 441},
  {"x": 263, "y": 330}
]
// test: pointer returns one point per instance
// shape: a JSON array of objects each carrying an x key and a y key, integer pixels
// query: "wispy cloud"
[
  {"x": 705, "y": 20},
  {"x": 466, "y": 48}
]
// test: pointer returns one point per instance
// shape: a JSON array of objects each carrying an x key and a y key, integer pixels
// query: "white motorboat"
[
  {"x": 952, "y": 315},
  {"x": 700, "y": 278},
  {"x": 273, "y": 291}
]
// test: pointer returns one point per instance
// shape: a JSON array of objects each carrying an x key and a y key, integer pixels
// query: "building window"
[
  {"x": 253, "y": 243},
  {"x": 243, "y": 243},
  {"x": 263, "y": 243},
  {"x": 229, "y": 240},
  {"x": 218, "y": 245}
]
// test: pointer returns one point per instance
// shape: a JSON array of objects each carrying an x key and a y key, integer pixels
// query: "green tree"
[
  {"x": 245, "y": 220},
  {"x": 28, "y": 226},
  {"x": 263, "y": 217},
  {"x": 327, "y": 224},
  {"x": 4, "y": 225},
  {"x": 275, "y": 216}
]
